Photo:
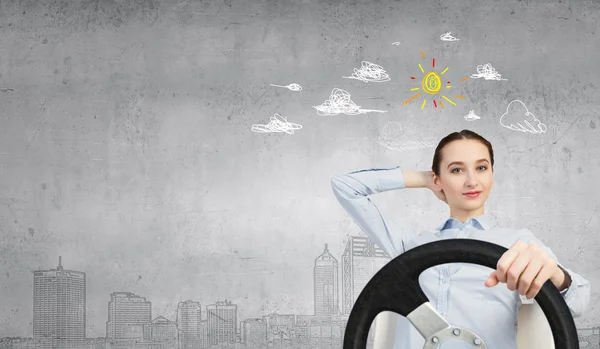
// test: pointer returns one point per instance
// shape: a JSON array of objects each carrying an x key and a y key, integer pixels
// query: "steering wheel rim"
[{"x": 395, "y": 288}]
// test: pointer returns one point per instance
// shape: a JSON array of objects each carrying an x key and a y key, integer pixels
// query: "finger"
[
  {"x": 504, "y": 263},
  {"x": 516, "y": 269},
  {"x": 492, "y": 280},
  {"x": 529, "y": 274},
  {"x": 508, "y": 258},
  {"x": 539, "y": 281},
  {"x": 520, "y": 245}
]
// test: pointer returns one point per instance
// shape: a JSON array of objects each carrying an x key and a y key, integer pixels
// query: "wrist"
[
  {"x": 416, "y": 179},
  {"x": 427, "y": 179},
  {"x": 561, "y": 279}
]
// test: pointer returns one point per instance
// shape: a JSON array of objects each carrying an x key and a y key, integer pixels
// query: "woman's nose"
[{"x": 470, "y": 180}]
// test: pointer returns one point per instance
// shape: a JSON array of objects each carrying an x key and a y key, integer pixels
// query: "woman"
[{"x": 463, "y": 293}]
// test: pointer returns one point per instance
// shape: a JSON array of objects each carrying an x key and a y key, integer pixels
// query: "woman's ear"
[{"x": 436, "y": 180}]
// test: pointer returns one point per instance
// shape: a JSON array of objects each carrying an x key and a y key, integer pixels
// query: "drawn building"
[
  {"x": 162, "y": 334},
  {"x": 279, "y": 327},
  {"x": 222, "y": 322},
  {"x": 128, "y": 314},
  {"x": 326, "y": 284},
  {"x": 254, "y": 333},
  {"x": 361, "y": 260},
  {"x": 324, "y": 332},
  {"x": 59, "y": 308},
  {"x": 189, "y": 318},
  {"x": 589, "y": 338},
  {"x": 204, "y": 333}
]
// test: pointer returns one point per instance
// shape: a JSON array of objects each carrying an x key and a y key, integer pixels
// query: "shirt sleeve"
[
  {"x": 352, "y": 191},
  {"x": 577, "y": 294}
]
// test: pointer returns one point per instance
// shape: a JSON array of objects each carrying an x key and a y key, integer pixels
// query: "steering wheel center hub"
[{"x": 454, "y": 333}]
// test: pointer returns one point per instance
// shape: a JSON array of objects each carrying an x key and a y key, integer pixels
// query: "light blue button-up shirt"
[{"x": 456, "y": 290}]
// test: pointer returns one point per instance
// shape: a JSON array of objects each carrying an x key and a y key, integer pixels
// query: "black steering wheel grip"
[{"x": 395, "y": 287}]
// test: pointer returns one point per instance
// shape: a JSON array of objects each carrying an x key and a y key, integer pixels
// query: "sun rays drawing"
[{"x": 432, "y": 86}]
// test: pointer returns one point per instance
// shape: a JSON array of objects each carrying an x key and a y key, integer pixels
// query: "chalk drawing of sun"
[{"x": 431, "y": 86}]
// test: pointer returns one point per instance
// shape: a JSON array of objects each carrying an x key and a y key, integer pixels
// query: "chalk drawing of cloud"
[
  {"x": 518, "y": 118},
  {"x": 395, "y": 137}
]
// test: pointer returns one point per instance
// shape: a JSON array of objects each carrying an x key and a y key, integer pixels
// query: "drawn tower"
[
  {"x": 361, "y": 260},
  {"x": 59, "y": 308},
  {"x": 326, "y": 284}
]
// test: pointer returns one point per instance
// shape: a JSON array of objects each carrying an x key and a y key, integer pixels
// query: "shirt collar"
[{"x": 481, "y": 222}]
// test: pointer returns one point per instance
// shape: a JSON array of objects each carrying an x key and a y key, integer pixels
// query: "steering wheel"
[{"x": 395, "y": 288}]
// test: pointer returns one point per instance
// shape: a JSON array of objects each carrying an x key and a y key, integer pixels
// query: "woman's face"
[{"x": 466, "y": 175}]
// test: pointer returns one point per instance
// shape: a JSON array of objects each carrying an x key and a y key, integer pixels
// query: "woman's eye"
[
  {"x": 455, "y": 170},
  {"x": 482, "y": 168}
]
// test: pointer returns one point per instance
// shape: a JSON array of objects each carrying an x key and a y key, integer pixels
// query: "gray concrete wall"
[{"x": 126, "y": 142}]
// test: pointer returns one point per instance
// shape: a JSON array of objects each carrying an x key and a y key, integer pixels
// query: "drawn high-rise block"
[
  {"x": 326, "y": 284},
  {"x": 59, "y": 305},
  {"x": 222, "y": 322},
  {"x": 128, "y": 314},
  {"x": 361, "y": 260},
  {"x": 189, "y": 318}
]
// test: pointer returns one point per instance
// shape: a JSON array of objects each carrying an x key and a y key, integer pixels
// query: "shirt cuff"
[{"x": 389, "y": 178}]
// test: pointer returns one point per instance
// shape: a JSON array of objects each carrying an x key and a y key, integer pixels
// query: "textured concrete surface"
[{"x": 126, "y": 143}]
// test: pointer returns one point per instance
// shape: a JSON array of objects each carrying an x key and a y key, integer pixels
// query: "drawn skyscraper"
[
  {"x": 189, "y": 318},
  {"x": 360, "y": 261},
  {"x": 222, "y": 322},
  {"x": 59, "y": 308},
  {"x": 326, "y": 284},
  {"x": 127, "y": 316}
]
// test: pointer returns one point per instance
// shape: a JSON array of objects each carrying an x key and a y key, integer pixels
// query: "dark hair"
[{"x": 456, "y": 136}]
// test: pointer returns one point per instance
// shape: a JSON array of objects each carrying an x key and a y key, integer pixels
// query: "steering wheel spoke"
[{"x": 436, "y": 330}]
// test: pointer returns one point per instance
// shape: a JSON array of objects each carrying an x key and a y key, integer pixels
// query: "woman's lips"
[{"x": 472, "y": 195}]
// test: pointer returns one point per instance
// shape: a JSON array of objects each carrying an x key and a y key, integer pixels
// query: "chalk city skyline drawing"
[{"x": 59, "y": 316}]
